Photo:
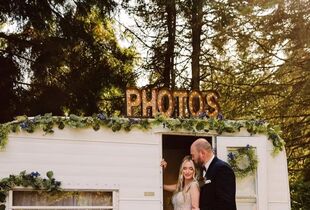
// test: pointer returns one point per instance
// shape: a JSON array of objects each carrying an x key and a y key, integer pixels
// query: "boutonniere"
[{"x": 208, "y": 181}]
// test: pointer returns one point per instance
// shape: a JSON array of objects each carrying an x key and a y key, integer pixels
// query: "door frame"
[{"x": 174, "y": 135}]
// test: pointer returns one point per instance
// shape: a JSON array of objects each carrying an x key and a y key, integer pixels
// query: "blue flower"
[
  {"x": 34, "y": 174},
  {"x": 231, "y": 156},
  {"x": 133, "y": 121},
  {"x": 102, "y": 116},
  {"x": 220, "y": 116},
  {"x": 24, "y": 125},
  {"x": 260, "y": 122},
  {"x": 202, "y": 115}
]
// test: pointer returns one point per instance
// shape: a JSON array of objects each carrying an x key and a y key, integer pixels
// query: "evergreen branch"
[{"x": 133, "y": 33}]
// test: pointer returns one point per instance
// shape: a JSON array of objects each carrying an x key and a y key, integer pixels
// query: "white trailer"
[{"x": 121, "y": 170}]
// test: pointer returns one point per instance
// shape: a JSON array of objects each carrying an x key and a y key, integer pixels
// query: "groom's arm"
[{"x": 225, "y": 188}]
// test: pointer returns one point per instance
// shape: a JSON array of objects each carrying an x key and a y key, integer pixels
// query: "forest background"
[{"x": 78, "y": 56}]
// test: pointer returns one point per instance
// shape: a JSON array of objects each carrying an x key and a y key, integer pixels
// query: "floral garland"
[
  {"x": 24, "y": 179},
  {"x": 48, "y": 122},
  {"x": 243, "y": 161}
]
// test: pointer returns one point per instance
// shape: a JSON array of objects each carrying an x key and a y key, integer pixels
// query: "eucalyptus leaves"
[
  {"x": 243, "y": 161},
  {"x": 200, "y": 124},
  {"x": 33, "y": 180}
]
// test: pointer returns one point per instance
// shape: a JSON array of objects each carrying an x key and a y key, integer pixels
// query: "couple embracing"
[{"x": 218, "y": 190}]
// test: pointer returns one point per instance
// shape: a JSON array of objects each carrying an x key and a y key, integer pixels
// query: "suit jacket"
[{"x": 219, "y": 190}]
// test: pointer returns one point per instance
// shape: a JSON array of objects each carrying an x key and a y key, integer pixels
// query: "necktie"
[{"x": 204, "y": 171}]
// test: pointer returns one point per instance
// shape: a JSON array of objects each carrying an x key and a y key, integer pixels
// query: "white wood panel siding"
[
  {"x": 129, "y": 162},
  {"x": 278, "y": 196},
  {"x": 85, "y": 159}
]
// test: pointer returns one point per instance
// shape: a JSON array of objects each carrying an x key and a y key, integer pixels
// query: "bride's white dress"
[{"x": 182, "y": 200}]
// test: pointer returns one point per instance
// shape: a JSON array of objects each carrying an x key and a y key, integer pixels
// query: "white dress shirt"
[{"x": 207, "y": 165}]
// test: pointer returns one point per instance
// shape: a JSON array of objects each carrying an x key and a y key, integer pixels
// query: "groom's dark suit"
[{"x": 219, "y": 190}]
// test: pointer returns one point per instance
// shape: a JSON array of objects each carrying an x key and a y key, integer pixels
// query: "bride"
[{"x": 186, "y": 191}]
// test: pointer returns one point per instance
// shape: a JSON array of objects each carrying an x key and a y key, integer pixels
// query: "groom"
[{"x": 219, "y": 189}]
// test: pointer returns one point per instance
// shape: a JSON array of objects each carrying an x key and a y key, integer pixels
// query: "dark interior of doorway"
[{"x": 175, "y": 148}]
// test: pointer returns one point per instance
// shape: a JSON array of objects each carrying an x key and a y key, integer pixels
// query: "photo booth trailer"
[{"x": 124, "y": 167}]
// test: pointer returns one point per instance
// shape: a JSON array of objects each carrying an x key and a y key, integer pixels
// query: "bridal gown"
[{"x": 182, "y": 200}]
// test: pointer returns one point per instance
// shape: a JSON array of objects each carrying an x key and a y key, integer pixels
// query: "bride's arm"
[
  {"x": 170, "y": 187},
  {"x": 194, "y": 192}
]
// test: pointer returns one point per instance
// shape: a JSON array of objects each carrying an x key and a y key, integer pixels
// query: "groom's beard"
[{"x": 199, "y": 163}]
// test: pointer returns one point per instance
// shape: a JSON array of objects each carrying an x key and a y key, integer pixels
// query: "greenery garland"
[
  {"x": 200, "y": 124},
  {"x": 243, "y": 161},
  {"x": 24, "y": 179}
]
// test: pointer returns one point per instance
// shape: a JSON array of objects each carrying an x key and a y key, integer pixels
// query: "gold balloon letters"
[{"x": 177, "y": 103}]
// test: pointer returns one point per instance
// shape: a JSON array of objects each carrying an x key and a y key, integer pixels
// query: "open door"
[
  {"x": 252, "y": 190},
  {"x": 175, "y": 148}
]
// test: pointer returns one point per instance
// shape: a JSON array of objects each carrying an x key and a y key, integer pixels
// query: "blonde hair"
[{"x": 180, "y": 183}]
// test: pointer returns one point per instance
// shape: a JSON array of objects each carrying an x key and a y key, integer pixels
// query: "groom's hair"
[{"x": 202, "y": 144}]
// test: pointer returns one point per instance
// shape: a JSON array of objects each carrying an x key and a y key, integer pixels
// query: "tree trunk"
[
  {"x": 169, "y": 74},
  {"x": 196, "y": 40}
]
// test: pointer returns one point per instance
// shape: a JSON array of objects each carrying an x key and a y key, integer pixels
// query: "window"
[{"x": 65, "y": 200}]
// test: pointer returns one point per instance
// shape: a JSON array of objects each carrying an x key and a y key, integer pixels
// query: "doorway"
[{"x": 174, "y": 148}]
